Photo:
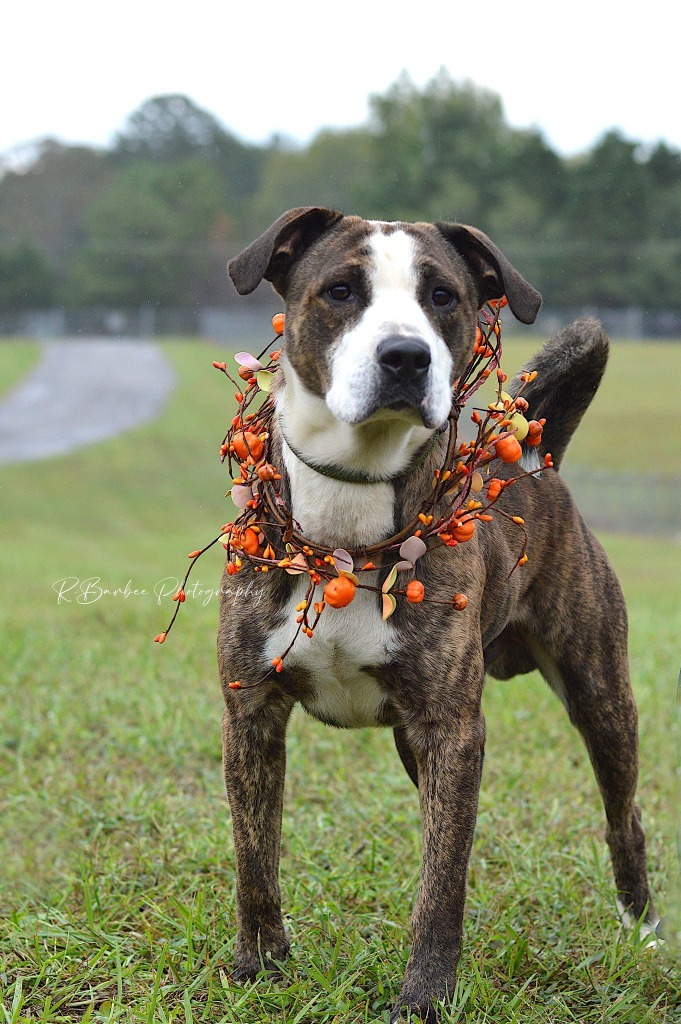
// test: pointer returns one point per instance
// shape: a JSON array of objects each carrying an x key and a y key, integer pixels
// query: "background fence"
[{"x": 245, "y": 317}]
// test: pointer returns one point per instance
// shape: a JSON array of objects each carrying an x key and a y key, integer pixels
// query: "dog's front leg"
[
  {"x": 449, "y": 755},
  {"x": 254, "y": 758}
]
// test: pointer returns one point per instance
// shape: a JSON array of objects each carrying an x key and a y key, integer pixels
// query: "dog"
[{"x": 380, "y": 319}]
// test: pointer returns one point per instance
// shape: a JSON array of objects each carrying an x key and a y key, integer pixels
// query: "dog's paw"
[
  {"x": 405, "y": 1012},
  {"x": 243, "y": 973},
  {"x": 247, "y": 969},
  {"x": 651, "y": 930}
]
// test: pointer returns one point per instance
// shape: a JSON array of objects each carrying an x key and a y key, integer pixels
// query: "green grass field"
[
  {"x": 16, "y": 359},
  {"x": 116, "y": 864}
]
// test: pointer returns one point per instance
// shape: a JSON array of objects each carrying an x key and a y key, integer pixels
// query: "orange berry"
[
  {"x": 239, "y": 397},
  {"x": 194, "y": 554},
  {"x": 246, "y": 443},
  {"x": 415, "y": 592},
  {"x": 508, "y": 449},
  {"x": 250, "y": 541},
  {"x": 339, "y": 592},
  {"x": 219, "y": 366},
  {"x": 236, "y": 685},
  {"x": 494, "y": 489},
  {"x": 459, "y": 602},
  {"x": 160, "y": 638},
  {"x": 534, "y": 433},
  {"x": 267, "y": 471},
  {"x": 278, "y": 322},
  {"x": 463, "y": 530}
]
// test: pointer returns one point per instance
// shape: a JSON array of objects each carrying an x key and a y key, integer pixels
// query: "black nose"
[{"x": 404, "y": 359}]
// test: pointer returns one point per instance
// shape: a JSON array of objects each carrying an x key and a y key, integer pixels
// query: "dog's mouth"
[{"x": 411, "y": 410}]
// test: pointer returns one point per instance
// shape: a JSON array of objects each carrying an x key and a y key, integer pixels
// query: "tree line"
[{"x": 154, "y": 218}]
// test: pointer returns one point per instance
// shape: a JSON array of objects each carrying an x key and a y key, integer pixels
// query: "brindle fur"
[{"x": 563, "y": 612}]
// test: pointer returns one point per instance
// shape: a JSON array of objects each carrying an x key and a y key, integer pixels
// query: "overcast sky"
[{"x": 75, "y": 70}]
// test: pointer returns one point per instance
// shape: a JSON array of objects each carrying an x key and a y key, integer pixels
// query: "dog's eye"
[
  {"x": 339, "y": 292},
  {"x": 443, "y": 298}
]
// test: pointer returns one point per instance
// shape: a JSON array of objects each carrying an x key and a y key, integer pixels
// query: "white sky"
[{"x": 75, "y": 70}]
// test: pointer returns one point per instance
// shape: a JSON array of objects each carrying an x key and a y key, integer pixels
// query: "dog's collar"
[{"x": 352, "y": 476}]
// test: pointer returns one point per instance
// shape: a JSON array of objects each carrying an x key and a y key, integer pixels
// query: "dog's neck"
[{"x": 337, "y": 512}]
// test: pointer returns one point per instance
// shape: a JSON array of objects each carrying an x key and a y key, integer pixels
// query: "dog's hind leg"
[
  {"x": 406, "y": 754},
  {"x": 588, "y": 669},
  {"x": 254, "y": 758}
]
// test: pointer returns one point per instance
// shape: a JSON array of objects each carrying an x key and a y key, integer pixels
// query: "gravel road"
[{"x": 81, "y": 392}]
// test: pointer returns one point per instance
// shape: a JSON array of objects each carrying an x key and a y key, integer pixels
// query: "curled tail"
[{"x": 570, "y": 367}]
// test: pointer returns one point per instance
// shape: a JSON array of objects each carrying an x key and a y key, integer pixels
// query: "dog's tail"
[{"x": 569, "y": 370}]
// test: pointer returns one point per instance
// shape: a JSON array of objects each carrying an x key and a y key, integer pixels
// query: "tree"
[
  {"x": 26, "y": 279},
  {"x": 156, "y": 236},
  {"x": 46, "y": 203},
  {"x": 426, "y": 142},
  {"x": 331, "y": 171},
  {"x": 173, "y": 128}
]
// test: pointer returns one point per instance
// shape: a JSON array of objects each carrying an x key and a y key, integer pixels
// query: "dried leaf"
[
  {"x": 241, "y": 495},
  {"x": 350, "y": 576},
  {"x": 300, "y": 562},
  {"x": 265, "y": 380},
  {"x": 390, "y": 579},
  {"x": 412, "y": 549},
  {"x": 403, "y": 566},
  {"x": 389, "y": 606},
  {"x": 246, "y": 359},
  {"x": 343, "y": 560}
]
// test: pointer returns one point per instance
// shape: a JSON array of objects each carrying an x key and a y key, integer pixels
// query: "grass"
[
  {"x": 116, "y": 865},
  {"x": 16, "y": 359}
]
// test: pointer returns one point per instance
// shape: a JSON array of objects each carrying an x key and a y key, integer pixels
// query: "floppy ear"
[
  {"x": 271, "y": 256},
  {"x": 493, "y": 272}
]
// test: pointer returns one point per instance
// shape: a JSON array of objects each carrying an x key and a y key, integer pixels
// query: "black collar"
[{"x": 352, "y": 476}]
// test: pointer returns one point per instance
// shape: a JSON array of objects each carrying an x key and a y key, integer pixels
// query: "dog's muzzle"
[{"x": 403, "y": 363}]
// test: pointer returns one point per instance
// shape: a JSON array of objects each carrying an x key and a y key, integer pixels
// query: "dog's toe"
[
  {"x": 246, "y": 972},
  {"x": 425, "y": 1012},
  {"x": 243, "y": 973}
]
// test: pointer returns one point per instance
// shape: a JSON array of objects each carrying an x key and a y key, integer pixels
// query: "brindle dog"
[{"x": 380, "y": 319}]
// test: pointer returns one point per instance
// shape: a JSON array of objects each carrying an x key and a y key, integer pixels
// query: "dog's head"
[{"x": 380, "y": 317}]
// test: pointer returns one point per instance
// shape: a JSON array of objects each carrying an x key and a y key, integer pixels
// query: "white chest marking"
[
  {"x": 346, "y": 641},
  {"x": 336, "y": 513}
]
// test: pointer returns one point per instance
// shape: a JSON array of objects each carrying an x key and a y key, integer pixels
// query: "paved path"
[{"x": 82, "y": 391}]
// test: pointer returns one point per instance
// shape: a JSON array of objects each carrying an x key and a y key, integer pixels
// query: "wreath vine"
[{"x": 464, "y": 490}]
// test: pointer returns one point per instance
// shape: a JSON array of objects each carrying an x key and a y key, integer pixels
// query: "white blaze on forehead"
[
  {"x": 393, "y": 310},
  {"x": 393, "y": 263}
]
